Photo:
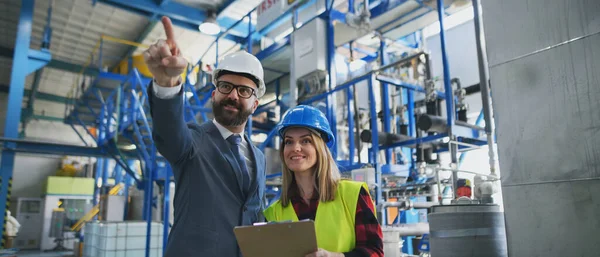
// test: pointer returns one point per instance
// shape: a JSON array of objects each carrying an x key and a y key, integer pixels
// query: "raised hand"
[{"x": 164, "y": 58}]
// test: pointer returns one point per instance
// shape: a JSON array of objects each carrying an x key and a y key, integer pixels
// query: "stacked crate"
[{"x": 121, "y": 239}]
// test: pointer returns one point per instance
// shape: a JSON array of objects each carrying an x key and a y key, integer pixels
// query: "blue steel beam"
[
  {"x": 25, "y": 61},
  {"x": 362, "y": 51},
  {"x": 37, "y": 60},
  {"x": 38, "y": 74},
  {"x": 181, "y": 15}
]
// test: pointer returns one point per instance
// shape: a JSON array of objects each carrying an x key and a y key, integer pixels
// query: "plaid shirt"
[{"x": 369, "y": 238}]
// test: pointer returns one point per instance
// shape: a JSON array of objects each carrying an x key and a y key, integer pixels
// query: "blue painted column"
[
  {"x": 129, "y": 181},
  {"x": 166, "y": 208},
  {"x": 105, "y": 173},
  {"x": 330, "y": 100},
  {"x": 97, "y": 177},
  {"x": 385, "y": 105},
  {"x": 21, "y": 68},
  {"x": 148, "y": 190},
  {"x": 118, "y": 174},
  {"x": 410, "y": 101},
  {"x": 375, "y": 147},
  {"x": 449, "y": 93}
]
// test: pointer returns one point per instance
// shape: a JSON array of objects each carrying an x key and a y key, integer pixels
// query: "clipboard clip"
[{"x": 276, "y": 222}]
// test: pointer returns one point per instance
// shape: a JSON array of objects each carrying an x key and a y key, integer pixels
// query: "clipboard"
[{"x": 290, "y": 239}]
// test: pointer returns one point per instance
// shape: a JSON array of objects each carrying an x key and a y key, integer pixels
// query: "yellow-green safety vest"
[{"x": 334, "y": 220}]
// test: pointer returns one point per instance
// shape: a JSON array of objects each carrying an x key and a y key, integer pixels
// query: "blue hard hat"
[{"x": 309, "y": 117}]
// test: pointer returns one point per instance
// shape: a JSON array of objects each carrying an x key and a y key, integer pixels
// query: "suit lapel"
[
  {"x": 258, "y": 172},
  {"x": 223, "y": 146}
]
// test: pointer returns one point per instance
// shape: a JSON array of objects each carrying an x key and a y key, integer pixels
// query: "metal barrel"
[{"x": 467, "y": 230}]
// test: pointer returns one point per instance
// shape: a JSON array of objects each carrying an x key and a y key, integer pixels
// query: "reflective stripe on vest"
[{"x": 334, "y": 220}]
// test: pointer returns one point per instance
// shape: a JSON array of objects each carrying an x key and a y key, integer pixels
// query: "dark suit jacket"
[{"x": 208, "y": 200}]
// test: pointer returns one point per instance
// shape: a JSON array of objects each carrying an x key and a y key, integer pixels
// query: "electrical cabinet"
[{"x": 30, "y": 216}]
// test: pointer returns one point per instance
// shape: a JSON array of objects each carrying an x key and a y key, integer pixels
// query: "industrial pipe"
[
  {"x": 432, "y": 123},
  {"x": 383, "y": 138},
  {"x": 405, "y": 204},
  {"x": 381, "y": 208},
  {"x": 461, "y": 106},
  {"x": 412, "y": 229},
  {"x": 484, "y": 83},
  {"x": 423, "y": 205}
]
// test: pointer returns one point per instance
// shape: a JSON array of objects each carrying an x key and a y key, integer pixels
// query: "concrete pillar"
[{"x": 544, "y": 60}]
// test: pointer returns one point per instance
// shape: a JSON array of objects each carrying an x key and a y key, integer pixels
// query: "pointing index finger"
[{"x": 168, "y": 28}]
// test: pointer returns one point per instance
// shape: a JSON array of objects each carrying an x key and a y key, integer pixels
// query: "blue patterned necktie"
[{"x": 235, "y": 140}]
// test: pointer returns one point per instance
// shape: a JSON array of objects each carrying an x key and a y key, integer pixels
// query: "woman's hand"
[{"x": 323, "y": 253}]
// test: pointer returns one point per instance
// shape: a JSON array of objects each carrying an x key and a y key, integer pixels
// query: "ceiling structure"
[{"x": 78, "y": 25}]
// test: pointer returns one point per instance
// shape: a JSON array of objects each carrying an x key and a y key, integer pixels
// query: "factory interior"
[{"x": 447, "y": 109}]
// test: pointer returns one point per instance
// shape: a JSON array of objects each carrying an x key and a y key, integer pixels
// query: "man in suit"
[{"x": 219, "y": 173}]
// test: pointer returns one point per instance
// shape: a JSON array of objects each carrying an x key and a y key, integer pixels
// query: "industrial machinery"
[
  {"x": 362, "y": 64},
  {"x": 30, "y": 216},
  {"x": 68, "y": 212},
  {"x": 58, "y": 229},
  {"x": 72, "y": 208},
  {"x": 466, "y": 227}
]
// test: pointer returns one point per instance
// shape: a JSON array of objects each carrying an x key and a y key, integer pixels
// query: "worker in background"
[
  {"x": 12, "y": 229},
  {"x": 219, "y": 173},
  {"x": 344, "y": 214}
]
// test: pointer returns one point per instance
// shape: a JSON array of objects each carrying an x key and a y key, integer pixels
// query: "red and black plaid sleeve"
[{"x": 369, "y": 237}]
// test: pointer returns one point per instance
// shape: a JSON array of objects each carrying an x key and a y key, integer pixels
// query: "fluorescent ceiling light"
[{"x": 210, "y": 26}]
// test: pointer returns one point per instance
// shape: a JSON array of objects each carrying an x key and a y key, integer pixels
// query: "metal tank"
[
  {"x": 136, "y": 204},
  {"x": 467, "y": 230}
]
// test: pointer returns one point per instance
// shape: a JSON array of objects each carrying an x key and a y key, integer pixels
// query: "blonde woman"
[{"x": 344, "y": 215}]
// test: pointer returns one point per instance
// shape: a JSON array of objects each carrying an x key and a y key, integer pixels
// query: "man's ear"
[{"x": 255, "y": 104}]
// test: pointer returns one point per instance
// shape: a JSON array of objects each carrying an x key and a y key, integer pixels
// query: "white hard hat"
[{"x": 242, "y": 62}]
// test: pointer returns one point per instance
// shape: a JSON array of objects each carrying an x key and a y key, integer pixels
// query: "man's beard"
[{"x": 225, "y": 117}]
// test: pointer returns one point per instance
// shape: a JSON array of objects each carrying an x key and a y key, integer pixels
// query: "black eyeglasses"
[{"x": 242, "y": 91}]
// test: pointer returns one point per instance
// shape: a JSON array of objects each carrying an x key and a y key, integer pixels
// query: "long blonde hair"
[{"x": 326, "y": 178}]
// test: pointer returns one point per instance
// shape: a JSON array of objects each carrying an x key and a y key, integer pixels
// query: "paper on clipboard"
[{"x": 290, "y": 239}]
